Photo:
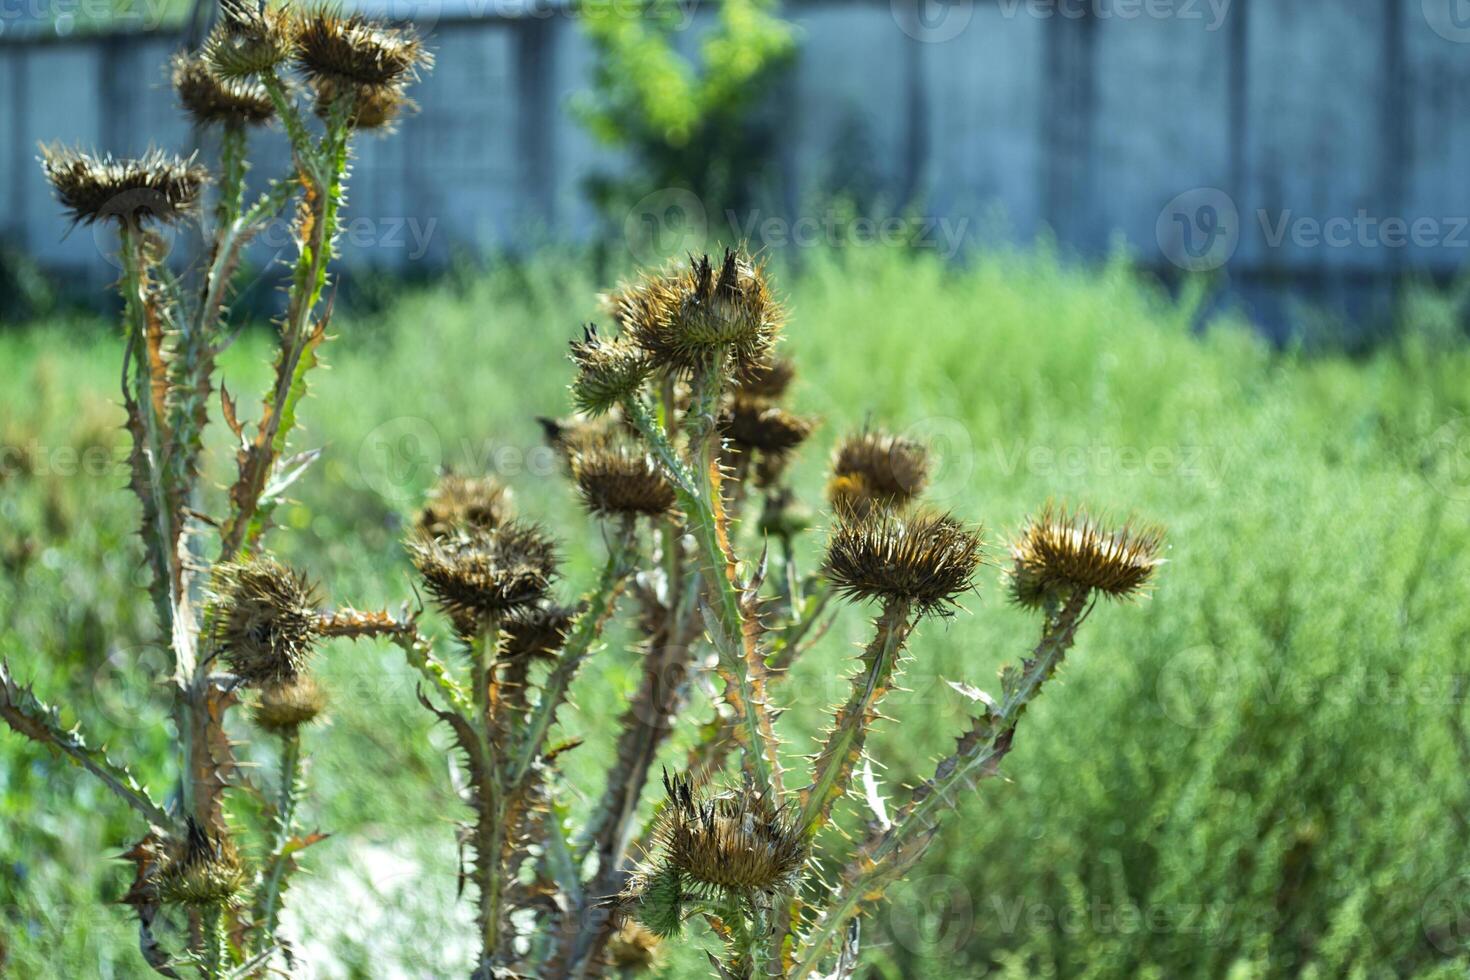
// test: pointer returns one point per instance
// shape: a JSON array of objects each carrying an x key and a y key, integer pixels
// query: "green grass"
[{"x": 1253, "y": 773}]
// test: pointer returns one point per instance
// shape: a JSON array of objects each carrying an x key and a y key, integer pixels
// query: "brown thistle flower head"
[
  {"x": 634, "y": 947},
  {"x": 769, "y": 380},
  {"x": 926, "y": 559},
  {"x": 480, "y": 574},
  {"x": 264, "y": 619},
  {"x": 156, "y": 187},
  {"x": 536, "y": 631},
  {"x": 202, "y": 871},
  {"x": 571, "y": 435},
  {"x": 350, "y": 50},
  {"x": 285, "y": 706},
  {"x": 875, "y": 470},
  {"x": 687, "y": 321},
  {"x": 249, "y": 40},
  {"x": 608, "y": 371},
  {"x": 735, "y": 841},
  {"x": 464, "y": 501},
  {"x": 752, "y": 423},
  {"x": 210, "y": 99},
  {"x": 616, "y": 478},
  {"x": 1060, "y": 551},
  {"x": 374, "y": 107}
]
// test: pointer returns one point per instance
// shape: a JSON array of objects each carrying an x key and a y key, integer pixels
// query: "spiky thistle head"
[
  {"x": 876, "y": 470},
  {"x": 608, "y": 371},
  {"x": 616, "y": 478},
  {"x": 285, "y": 706},
  {"x": 536, "y": 631},
  {"x": 201, "y": 871},
  {"x": 752, "y": 423},
  {"x": 769, "y": 380},
  {"x": 249, "y": 40},
  {"x": 688, "y": 321},
  {"x": 209, "y": 99},
  {"x": 571, "y": 435},
  {"x": 735, "y": 841},
  {"x": 373, "y": 107},
  {"x": 464, "y": 501},
  {"x": 264, "y": 619},
  {"x": 928, "y": 560},
  {"x": 483, "y": 574},
  {"x": 350, "y": 50},
  {"x": 156, "y": 187},
  {"x": 634, "y": 947},
  {"x": 1060, "y": 551}
]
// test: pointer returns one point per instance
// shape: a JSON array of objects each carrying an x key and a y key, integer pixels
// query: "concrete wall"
[{"x": 1163, "y": 123}]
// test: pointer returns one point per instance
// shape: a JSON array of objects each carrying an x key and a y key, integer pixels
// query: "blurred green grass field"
[{"x": 1261, "y": 771}]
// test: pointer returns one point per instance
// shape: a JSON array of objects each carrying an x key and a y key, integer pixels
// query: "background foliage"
[{"x": 1261, "y": 772}]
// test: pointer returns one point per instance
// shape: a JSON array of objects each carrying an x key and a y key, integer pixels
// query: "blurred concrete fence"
[{"x": 1317, "y": 147}]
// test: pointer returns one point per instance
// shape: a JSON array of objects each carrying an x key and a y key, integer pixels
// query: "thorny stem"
[
  {"x": 887, "y": 854},
  {"x": 283, "y": 827},
  {"x": 490, "y": 796},
  {"x": 698, "y": 495},
  {"x": 215, "y": 954},
  {"x": 232, "y": 167},
  {"x": 834, "y": 764}
]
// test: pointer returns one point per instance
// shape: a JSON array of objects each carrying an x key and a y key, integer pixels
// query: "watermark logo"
[
  {"x": 667, "y": 224},
  {"x": 1199, "y": 230},
  {"x": 1450, "y": 19},
  {"x": 1446, "y": 459},
  {"x": 1196, "y": 684},
  {"x": 932, "y": 21},
  {"x": 1446, "y": 916},
  {"x": 399, "y": 457}
]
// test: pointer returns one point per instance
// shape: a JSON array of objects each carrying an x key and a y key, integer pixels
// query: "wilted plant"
[
  {"x": 679, "y": 427},
  {"x": 238, "y": 624}
]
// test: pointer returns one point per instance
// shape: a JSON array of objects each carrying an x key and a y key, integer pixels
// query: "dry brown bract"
[
  {"x": 479, "y": 574},
  {"x": 156, "y": 187},
  {"x": 209, "y": 99},
  {"x": 264, "y": 619},
  {"x": 538, "y": 631},
  {"x": 928, "y": 560},
  {"x": 1060, "y": 551},
  {"x": 608, "y": 371}
]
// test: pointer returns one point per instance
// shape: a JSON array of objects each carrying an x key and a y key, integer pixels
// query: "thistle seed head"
[
  {"x": 634, "y": 947},
  {"x": 537, "y": 631},
  {"x": 249, "y": 40},
  {"x": 608, "y": 371},
  {"x": 734, "y": 841},
  {"x": 374, "y": 107},
  {"x": 480, "y": 574},
  {"x": 928, "y": 560},
  {"x": 209, "y": 99},
  {"x": 875, "y": 470},
  {"x": 285, "y": 706},
  {"x": 769, "y": 380},
  {"x": 156, "y": 187},
  {"x": 1059, "y": 551},
  {"x": 464, "y": 501},
  {"x": 202, "y": 871},
  {"x": 263, "y": 619},
  {"x": 350, "y": 50},
  {"x": 752, "y": 423},
  {"x": 572, "y": 435},
  {"x": 686, "y": 321},
  {"x": 615, "y": 478}
]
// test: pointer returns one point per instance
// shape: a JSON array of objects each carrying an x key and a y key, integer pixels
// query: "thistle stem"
[
  {"x": 887, "y": 855},
  {"x": 283, "y": 828}
]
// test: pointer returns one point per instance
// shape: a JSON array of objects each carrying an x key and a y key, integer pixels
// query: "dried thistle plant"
[
  {"x": 211, "y": 868},
  {"x": 683, "y": 433}
]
